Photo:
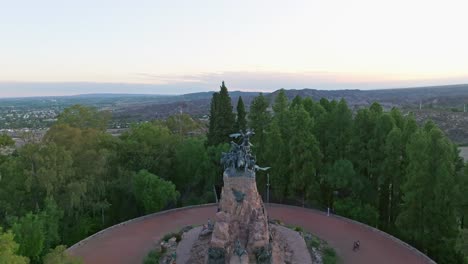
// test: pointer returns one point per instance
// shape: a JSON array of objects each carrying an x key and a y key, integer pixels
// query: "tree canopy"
[{"x": 374, "y": 165}]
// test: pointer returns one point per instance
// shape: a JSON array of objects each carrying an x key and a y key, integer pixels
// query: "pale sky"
[{"x": 52, "y": 46}]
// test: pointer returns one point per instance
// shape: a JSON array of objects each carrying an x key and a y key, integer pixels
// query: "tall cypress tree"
[
  {"x": 213, "y": 123},
  {"x": 241, "y": 122},
  {"x": 222, "y": 119},
  {"x": 259, "y": 120}
]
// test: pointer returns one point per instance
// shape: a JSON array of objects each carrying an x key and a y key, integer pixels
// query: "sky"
[{"x": 56, "y": 47}]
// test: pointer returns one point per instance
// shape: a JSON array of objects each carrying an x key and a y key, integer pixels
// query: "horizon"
[
  {"x": 183, "y": 47},
  {"x": 442, "y": 86}
]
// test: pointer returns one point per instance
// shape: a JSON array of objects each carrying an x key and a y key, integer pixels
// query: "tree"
[
  {"x": 52, "y": 217},
  {"x": 59, "y": 255},
  {"x": 181, "y": 124},
  {"x": 276, "y": 151},
  {"x": 15, "y": 200},
  {"x": 259, "y": 120},
  {"x": 241, "y": 122},
  {"x": 463, "y": 199},
  {"x": 392, "y": 177},
  {"x": 222, "y": 119},
  {"x": 277, "y": 156},
  {"x": 30, "y": 235},
  {"x": 9, "y": 249},
  {"x": 150, "y": 147},
  {"x": 194, "y": 177},
  {"x": 153, "y": 193},
  {"x": 341, "y": 181},
  {"x": 6, "y": 141},
  {"x": 84, "y": 117},
  {"x": 427, "y": 217},
  {"x": 212, "y": 135},
  {"x": 305, "y": 155}
]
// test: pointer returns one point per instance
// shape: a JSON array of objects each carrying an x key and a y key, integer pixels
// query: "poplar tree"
[
  {"x": 222, "y": 119},
  {"x": 241, "y": 122},
  {"x": 259, "y": 120},
  {"x": 428, "y": 218}
]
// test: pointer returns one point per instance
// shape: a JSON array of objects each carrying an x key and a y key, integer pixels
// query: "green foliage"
[
  {"x": 313, "y": 243},
  {"x": 82, "y": 117},
  {"x": 329, "y": 256},
  {"x": 305, "y": 154},
  {"x": 357, "y": 210},
  {"x": 152, "y": 257},
  {"x": 152, "y": 192},
  {"x": 195, "y": 174},
  {"x": 373, "y": 166},
  {"x": 241, "y": 121},
  {"x": 52, "y": 217},
  {"x": 222, "y": 119},
  {"x": 9, "y": 249},
  {"x": 181, "y": 124},
  {"x": 298, "y": 229},
  {"x": 281, "y": 102},
  {"x": 58, "y": 255},
  {"x": 259, "y": 120},
  {"x": 177, "y": 235},
  {"x": 6, "y": 141},
  {"x": 428, "y": 192},
  {"x": 30, "y": 235},
  {"x": 148, "y": 146}
]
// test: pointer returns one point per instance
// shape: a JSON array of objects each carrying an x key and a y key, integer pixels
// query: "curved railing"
[
  {"x": 90, "y": 248},
  {"x": 134, "y": 220},
  {"x": 382, "y": 233}
]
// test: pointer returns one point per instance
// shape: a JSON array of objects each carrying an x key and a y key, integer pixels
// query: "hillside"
[{"x": 443, "y": 104}]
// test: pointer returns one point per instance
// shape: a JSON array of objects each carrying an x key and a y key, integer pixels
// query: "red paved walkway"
[{"x": 129, "y": 243}]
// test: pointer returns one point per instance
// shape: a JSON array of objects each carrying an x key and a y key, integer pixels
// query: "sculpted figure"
[{"x": 240, "y": 156}]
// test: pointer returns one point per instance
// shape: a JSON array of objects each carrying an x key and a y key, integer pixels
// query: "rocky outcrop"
[{"x": 241, "y": 227}]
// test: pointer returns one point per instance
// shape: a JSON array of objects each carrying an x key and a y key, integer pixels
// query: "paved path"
[{"x": 129, "y": 243}]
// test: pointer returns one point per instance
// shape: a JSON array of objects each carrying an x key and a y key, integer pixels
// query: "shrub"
[
  {"x": 152, "y": 257},
  {"x": 329, "y": 256},
  {"x": 298, "y": 229}
]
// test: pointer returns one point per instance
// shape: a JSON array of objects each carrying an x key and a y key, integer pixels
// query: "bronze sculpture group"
[{"x": 240, "y": 156}]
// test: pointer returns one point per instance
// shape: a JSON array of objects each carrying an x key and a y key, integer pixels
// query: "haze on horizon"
[{"x": 54, "y": 47}]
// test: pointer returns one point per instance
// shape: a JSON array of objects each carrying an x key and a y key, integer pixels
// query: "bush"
[
  {"x": 60, "y": 256},
  {"x": 152, "y": 257},
  {"x": 298, "y": 229},
  {"x": 313, "y": 243},
  {"x": 166, "y": 237},
  {"x": 329, "y": 256},
  {"x": 178, "y": 237}
]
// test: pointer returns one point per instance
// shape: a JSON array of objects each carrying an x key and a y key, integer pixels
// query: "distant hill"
[
  {"x": 443, "y": 104},
  {"x": 437, "y": 96},
  {"x": 447, "y": 97}
]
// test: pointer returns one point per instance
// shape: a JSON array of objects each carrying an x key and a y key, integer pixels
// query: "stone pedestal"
[{"x": 241, "y": 227}]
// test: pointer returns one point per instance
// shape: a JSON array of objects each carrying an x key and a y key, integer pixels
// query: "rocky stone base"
[
  {"x": 241, "y": 225},
  {"x": 287, "y": 247}
]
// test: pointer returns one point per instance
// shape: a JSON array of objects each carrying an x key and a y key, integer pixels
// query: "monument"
[{"x": 241, "y": 232}]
